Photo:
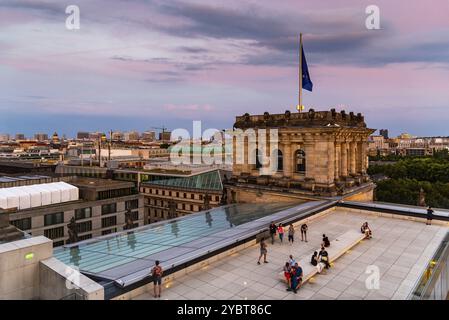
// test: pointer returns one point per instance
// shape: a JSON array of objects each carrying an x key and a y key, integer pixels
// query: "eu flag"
[{"x": 306, "y": 82}]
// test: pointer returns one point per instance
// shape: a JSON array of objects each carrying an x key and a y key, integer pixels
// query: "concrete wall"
[
  {"x": 19, "y": 267},
  {"x": 58, "y": 281},
  {"x": 363, "y": 196}
]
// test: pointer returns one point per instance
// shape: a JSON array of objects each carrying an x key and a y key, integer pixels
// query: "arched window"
[
  {"x": 280, "y": 159},
  {"x": 258, "y": 163},
  {"x": 300, "y": 161}
]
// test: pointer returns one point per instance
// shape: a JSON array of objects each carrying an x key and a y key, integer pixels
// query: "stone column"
[
  {"x": 364, "y": 160},
  {"x": 337, "y": 159},
  {"x": 330, "y": 161},
  {"x": 309, "y": 149},
  {"x": 352, "y": 157},
  {"x": 236, "y": 158},
  {"x": 344, "y": 159},
  {"x": 360, "y": 158},
  {"x": 246, "y": 155},
  {"x": 288, "y": 157},
  {"x": 249, "y": 152}
]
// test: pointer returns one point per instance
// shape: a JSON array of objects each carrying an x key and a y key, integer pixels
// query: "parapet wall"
[
  {"x": 19, "y": 267},
  {"x": 59, "y": 281},
  {"x": 303, "y": 119}
]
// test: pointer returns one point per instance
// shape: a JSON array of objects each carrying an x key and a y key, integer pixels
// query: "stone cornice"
[{"x": 308, "y": 119}]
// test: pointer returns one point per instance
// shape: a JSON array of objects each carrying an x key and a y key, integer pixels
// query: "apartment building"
[{"x": 99, "y": 210}]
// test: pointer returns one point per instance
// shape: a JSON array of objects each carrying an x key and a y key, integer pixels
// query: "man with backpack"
[{"x": 156, "y": 272}]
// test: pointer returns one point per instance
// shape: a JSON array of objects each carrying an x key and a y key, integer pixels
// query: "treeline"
[
  {"x": 408, "y": 175},
  {"x": 406, "y": 191},
  {"x": 422, "y": 169}
]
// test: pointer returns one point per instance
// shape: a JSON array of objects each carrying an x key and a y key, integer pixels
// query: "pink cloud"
[{"x": 188, "y": 107}]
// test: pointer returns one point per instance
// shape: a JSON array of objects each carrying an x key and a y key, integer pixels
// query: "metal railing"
[{"x": 434, "y": 282}]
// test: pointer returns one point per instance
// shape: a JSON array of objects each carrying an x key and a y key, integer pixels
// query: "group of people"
[
  {"x": 293, "y": 275},
  {"x": 293, "y": 272},
  {"x": 320, "y": 259},
  {"x": 279, "y": 229}
]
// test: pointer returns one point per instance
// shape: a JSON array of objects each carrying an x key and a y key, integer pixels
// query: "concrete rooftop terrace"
[{"x": 400, "y": 247}]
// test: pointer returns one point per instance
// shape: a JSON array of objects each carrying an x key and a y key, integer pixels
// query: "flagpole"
[{"x": 300, "y": 74}]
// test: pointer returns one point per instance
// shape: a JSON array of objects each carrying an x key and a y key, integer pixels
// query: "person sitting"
[
  {"x": 287, "y": 274},
  {"x": 314, "y": 259},
  {"x": 296, "y": 278},
  {"x": 362, "y": 228},
  {"x": 367, "y": 231},
  {"x": 326, "y": 242},
  {"x": 324, "y": 257}
]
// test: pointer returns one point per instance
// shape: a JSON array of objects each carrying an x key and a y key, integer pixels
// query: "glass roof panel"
[{"x": 98, "y": 255}]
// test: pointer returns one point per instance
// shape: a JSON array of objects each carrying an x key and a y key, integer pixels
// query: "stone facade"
[
  {"x": 185, "y": 201},
  {"x": 95, "y": 223},
  {"x": 321, "y": 153}
]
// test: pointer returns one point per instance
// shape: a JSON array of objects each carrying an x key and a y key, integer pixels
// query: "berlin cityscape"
[{"x": 224, "y": 159}]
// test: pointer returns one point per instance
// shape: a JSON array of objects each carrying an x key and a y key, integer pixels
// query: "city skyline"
[{"x": 139, "y": 64}]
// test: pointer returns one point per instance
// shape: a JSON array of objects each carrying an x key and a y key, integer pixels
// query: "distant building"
[
  {"x": 55, "y": 138},
  {"x": 82, "y": 135},
  {"x": 41, "y": 137},
  {"x": 165, "y": 136},
  {"x": 405, "y": 136},
  {"x": 20, "y": 136},
  {"x": 418, "y": 152},
  {"x": 4, "y": 137},
  {"x": 26, "y": 166},
  {"x": 377, "y": 143},
  {"x": 100, "y": 210},
  {"x": 169, "y": 196},
  {"x": 149, "y": 136},
  {"x": 117, "y": 136},
  {"x": 96, "y": 135},
  {"x": 131, "y": 136},
  {"x": 384, "y": 133}
]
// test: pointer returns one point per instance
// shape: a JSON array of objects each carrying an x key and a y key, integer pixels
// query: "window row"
[
  {"x": 178, "y": 194},
  {"x": 299, "y": 160}
]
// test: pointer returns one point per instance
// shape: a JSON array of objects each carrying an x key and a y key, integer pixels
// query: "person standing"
[
  {"x": 281, "y": 232},
  {"x": 287, "y": 274},
  {"x": 291, "y": 234},
  {"x": 304, "y": 229},
  {"x": 156, "y": 272},
  {"x": 272, "y": 231},
  {"x": 429, "y": 216},
  {"x": 263, "y": 251}
]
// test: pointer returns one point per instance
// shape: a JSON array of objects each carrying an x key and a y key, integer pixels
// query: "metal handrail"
[{"x": 430, "y": 276}]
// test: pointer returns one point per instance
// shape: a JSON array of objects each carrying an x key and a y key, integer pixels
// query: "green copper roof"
[{"x": 204, "y": 181}]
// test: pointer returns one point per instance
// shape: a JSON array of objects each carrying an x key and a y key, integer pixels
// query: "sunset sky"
[{"x": 138, "y": 64}]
